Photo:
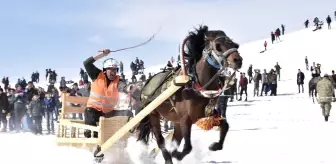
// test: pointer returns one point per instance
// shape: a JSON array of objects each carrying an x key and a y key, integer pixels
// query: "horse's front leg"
[
  {"x": 224, "y": 125},
  {"x": 156, "y": 129},
  {"x": 185, "y": 125}
]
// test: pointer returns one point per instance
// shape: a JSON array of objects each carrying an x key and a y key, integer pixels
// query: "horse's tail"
[{"x": 144, "y": 128}]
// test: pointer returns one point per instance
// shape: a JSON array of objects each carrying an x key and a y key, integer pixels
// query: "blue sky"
[{"x": 36, "y": 34}]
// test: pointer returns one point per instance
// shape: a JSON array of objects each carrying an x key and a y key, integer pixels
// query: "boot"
[{"x": 240, "y": 99}]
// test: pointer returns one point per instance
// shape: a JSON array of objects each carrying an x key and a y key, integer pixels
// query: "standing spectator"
[
  {"x": 121, "y": 65},
  {"x": 50, "y": 105},
  {"x": 335, "y": 15},
  {"x": 256, "y": 81},
  {"x": 277, "y": 34},
  {"x": 300, "y": 80},
  {"x": 11, "y": 100},
  {"x": 277, "y": 68},
  {"x": 243, "y": 86},
  {"x": 272, "y": 78},
  {"x": 265, "y": 45},
  {"x": 36, "y": 111},
  {"x": 272, "y": 37},
  {"x": 328, "y": 21},
  {"x": 249, "y": 73},
  {"x": 307, "y": 64},
  {"x": 306, "y": 23},
  {"x": 3, "y": 110},
  {"x": 283, "y": 29},
  {"x": 264, "y": 81},
  {"x": 316, "y": 21}
]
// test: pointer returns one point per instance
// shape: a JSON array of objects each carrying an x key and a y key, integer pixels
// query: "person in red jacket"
[
  {"x": 243, "y": 86},
  {"x": 265, "y": 45}
]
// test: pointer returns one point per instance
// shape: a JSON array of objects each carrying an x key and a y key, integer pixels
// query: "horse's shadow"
[
  {"x": 240, "y": 105},
  {"x": 256, "y": 100},
  {"x": 219, "y": 162},
  {"x": 286, "y": 94},
  {"x": 253, "y": 129}
]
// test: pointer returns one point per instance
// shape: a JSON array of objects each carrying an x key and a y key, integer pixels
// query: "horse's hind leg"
[
  {"x": 185, "y": 125},
  {"x": 156, "y": 129}
]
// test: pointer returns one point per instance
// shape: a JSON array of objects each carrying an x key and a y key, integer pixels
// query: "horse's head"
[{"x": 223, "y": 50}]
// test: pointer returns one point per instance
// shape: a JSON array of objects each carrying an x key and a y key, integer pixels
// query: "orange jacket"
[{"x": 103, "y": 98}]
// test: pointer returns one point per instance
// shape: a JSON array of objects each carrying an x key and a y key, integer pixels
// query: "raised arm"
[{"x": 90, "y": 68}]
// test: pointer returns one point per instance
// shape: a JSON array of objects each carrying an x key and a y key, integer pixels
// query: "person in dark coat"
[
  {"x": 249, "y": 73},
  {"x": 283, "y": 29},
  {"x": 300, "y": 80},
  {"x": 306, "y": 23},
  {"x": 328, "y": 19},
  {"x": 272, "y": 37},
  {"x": 36, "y": 111},
  {"x": 3, "y": 109}
]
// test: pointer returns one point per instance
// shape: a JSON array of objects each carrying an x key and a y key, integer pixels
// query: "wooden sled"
[{"x": 70, "y": 132}]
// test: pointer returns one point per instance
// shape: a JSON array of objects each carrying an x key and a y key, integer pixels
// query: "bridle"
[{"x": 216, "y": 62}]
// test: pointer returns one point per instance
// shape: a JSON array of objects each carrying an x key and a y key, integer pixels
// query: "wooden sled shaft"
[{"x": 142, "y": 114}]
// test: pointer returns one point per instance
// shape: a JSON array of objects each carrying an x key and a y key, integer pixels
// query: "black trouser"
[
  {"x": 3, "y": 119},
  {"x": 243, "y": 89},
  {"x": 274, "y": 89},
  {"x": 307, "y": 66},
  {"x": 91, "y": 117},
  {"x": 50, "y": 120},
  {"x": 263, "y": 88},
  {"x": 37, "y": 124},
  {"x": 300, "y": 84}
]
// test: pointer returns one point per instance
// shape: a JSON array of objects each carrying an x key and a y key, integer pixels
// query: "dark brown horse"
[{"x": 208, "y": 50}]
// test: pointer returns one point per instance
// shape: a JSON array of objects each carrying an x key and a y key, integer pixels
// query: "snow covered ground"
[{"x": 287, "y": 128}]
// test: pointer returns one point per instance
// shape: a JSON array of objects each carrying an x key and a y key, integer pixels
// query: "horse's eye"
[{"x": 218, "y": 48}]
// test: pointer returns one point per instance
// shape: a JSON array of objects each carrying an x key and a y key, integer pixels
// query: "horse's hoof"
[
  {"x": 177, "y": 155},
  {"x": 215, "y": 146}
]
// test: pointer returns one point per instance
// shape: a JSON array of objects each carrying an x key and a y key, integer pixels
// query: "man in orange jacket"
[{"x": 105, "y": 88}]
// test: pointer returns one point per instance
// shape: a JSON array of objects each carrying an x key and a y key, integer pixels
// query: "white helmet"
[{"x": 110, "y": 63}]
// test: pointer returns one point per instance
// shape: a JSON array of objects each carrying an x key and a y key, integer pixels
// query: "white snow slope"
[{"x": 286, "y": 129}]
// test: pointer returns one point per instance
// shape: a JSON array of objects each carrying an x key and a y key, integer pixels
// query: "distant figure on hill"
[
  {"x": 283, "y": 29},
  {"x": 306, "y": 61},
  {"x": 306, "y": 23},
  {"x": 272, "y": 37},
  {"x": 316, "y": 21},
  {"x": 328, "y": 19},
  {"x": 335, "y": 15},
  {"x": 300, "y": 80},
  {"x": 265, "y": 45},
  {"x": 277, "y": 34}
]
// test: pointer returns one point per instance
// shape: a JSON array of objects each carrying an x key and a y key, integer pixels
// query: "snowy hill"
[
  {"x": 317, "y": 46},
  {"x": 287, "y": 128}
]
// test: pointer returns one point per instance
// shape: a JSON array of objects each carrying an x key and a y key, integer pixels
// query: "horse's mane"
[{"x": 196, "y": 42}]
